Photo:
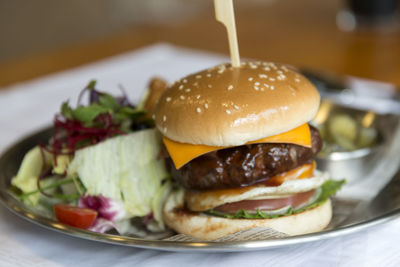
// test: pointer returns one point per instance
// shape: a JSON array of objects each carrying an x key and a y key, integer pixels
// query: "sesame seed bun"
[
  {"x": 207, "y": 227},
  {"x": 226, "y": 106}
]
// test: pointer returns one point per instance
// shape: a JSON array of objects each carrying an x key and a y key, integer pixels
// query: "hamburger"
[{"x": 242, "y": 152}]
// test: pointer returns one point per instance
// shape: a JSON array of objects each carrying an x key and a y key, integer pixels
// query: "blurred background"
[{"x": 356, "y": 37}]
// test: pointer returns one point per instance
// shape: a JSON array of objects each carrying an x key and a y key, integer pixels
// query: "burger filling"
[
  {"x": 263, "y": 180},
  {"x": 244, "y": 165},
  {"x": 269, "y": 204},
  {"x": 295, "y": 204}
]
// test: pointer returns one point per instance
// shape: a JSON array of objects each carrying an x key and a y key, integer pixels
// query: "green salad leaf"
[
  {"x": 328, "y": 189},
  {"x": 89, "y": 113},
  {"x": 67, "y": 111},
  {"x": 29, "y": 172},
  {"x": 103, "y": 103},
  {"x": 108, "y": 101}
]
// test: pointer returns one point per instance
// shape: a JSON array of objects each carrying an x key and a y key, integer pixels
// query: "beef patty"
[{"x": 244, "y": 165}]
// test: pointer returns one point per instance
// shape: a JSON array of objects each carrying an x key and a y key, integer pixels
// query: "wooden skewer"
[{"x": 224, "y": 14}]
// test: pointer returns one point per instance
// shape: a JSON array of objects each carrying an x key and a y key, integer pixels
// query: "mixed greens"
[{"x": 102, "y": 157}]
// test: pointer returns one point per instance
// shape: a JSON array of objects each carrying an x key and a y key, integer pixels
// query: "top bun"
[{"x": 227, "y": 106}]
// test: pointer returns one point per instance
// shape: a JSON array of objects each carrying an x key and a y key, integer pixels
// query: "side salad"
[{"x": 100, "y": 170}]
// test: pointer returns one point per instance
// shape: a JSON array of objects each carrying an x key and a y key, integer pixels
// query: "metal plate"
[{"x": 385, "y": 207}]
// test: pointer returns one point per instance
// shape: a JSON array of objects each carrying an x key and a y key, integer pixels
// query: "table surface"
[
  {"x": 26, "y": 244},
  {"x": 303, "y": 33}
]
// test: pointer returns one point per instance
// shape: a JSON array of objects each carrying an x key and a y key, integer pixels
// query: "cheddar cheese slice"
[{"x": 182, "y": 153}]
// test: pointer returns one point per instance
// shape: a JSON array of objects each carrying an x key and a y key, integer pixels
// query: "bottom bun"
[{"x": 207, "y": 227}]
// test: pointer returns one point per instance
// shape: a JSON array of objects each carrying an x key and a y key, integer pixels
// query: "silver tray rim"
[{"x": 18, "y": 208}]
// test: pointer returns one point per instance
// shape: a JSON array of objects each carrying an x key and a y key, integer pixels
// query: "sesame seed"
[
  {"x": 164, "y": 118},
  {"x": 198, "y": 110},
  {"x": 230, "y": 87},
  {"x": 182, "y": 97},
  {"x": 187, "y": 90},
  {"x": 206, "y": 105},
  {"x": 181, "y": 87},
  {"x": 236, "y": 107},
  {"x": 274, "y": 67},
  {"x": 263, "y": 76},
  {"x": 279, "y": 71},
  {"x": 221, "y": 71},
  {"x": 262, "y": 89},
  {"x": 272, "y": 79},
  {"x": 267, "y": 68},
  {"x": 253, "y": 66},
  {"x": 228, "y": 111},
  {"x": 272, "y": 87},
  {"x": 256, "y": 88},
  {"x": 266, "y": 85},
  {"x": 196, "y": 84},
  {"x": 168, "y": 99},
  {"x": 198, "y": 76},
  {"x": 184, "y": 81},
  {"x": 153, "y": 117},
  {"x": 209, "y": 86},
  {"x": 256, "y": 83},
  {"x": 208, "y": 74},
  {"x": 284, "y": 68},
  {"x": 250, "y": 79},
  {"x": 297, "y": 80},
  {"x": 198, "y": 96}
]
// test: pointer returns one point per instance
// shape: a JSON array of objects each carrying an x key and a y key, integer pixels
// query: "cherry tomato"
[{"x": 74, "y": 216}]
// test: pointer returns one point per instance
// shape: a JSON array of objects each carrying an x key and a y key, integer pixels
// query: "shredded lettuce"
[
  {"x": 328, "y": 189},
  {"x": 125, "y": 169}
]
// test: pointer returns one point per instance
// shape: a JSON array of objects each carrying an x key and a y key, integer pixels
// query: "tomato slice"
[{"x": 74, "y": 216}]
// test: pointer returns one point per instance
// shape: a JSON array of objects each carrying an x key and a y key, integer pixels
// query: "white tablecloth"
[{"x": 29, "y": 106}]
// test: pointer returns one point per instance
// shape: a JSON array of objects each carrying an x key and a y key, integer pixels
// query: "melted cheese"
[{"x": 182, "y": 153}]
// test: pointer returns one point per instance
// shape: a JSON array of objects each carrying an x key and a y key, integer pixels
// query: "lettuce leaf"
[
  {"x": 125, "y": 169},
  {"x": 329, "y": 188},
  {"x": 157, "y": 205},
  {"x": 29, "y": 172}
]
